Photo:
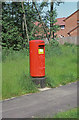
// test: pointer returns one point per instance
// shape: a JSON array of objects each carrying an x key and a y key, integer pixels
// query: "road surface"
[{"x": 42, "y": 104}]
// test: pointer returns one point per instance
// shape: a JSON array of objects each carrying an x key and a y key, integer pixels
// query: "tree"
[
  {"x": 42, "y": 5},
  {"x": 11, "y": 26},
  {"x": 18, "y": 20},
  {"x": 16, "y": 14},
  {"x": 24, "y": 17},
  {"x": 52, "y": 15},
  {"x": 48, "y": 20}
]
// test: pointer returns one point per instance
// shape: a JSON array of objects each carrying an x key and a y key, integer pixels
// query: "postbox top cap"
[{"x": 37, "y": 41}]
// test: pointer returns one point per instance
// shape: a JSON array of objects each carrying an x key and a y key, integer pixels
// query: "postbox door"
[{"x": 41, "y": 57}]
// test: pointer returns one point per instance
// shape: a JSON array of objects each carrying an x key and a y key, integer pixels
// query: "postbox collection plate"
[{"x": 40, "y": 51}]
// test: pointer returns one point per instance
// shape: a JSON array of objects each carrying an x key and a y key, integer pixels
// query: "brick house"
[
  {"x": 69, "y": 26},
  {"x": 61, "y": 23}
]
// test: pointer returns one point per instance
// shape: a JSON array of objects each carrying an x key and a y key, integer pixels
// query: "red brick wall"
[
  {"x": 73, "y": 33},
  {"x": 60, "y": 32},
  {"x": 70, "y": 24},
  {"x": 78, "y": 15}
]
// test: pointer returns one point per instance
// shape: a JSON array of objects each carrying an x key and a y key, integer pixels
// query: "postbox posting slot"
[
  {"x": 41, "y": 46},
  {"x": 41, "y": 49}
]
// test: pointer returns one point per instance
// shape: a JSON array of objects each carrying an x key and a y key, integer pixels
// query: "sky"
[{"x": 66, "y": 9}]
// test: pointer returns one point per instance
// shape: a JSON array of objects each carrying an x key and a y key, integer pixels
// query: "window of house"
[
  {"x": 78, "y": 21},
  {"x": 62, "y": 26}
]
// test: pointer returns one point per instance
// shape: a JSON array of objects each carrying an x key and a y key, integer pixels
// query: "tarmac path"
[{"x": 42, "y": 104}]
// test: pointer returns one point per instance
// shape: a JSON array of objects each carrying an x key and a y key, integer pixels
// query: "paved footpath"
[{"x": 42, "y": 104}]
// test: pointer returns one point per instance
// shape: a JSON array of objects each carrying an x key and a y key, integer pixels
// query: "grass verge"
[
  {"x": 61, "y": 68},
  {"x": 67, "y": 114},
  {"x": 61, "y": 65},
  {"x": 15, "y": 75}
]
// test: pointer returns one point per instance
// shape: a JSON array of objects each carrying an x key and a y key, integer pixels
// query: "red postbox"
[{"x": 37, "y": 58}]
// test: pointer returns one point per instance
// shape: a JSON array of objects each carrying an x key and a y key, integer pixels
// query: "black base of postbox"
[{"x": 39, "y": 81}]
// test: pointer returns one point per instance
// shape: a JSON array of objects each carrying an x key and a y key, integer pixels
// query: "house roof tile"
[{"x": 60, "y": 21}]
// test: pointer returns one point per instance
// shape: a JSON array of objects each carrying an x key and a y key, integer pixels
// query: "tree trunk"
[
  {"x": 51, "y": 24},
  {"x": 33, "y": 30},
  {"x": 25, "y": 23}
]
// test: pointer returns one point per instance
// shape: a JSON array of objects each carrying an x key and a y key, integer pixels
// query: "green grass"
[
  {"x": 67, "y": 114},
  {"x": 61, "y": 68},
  {"x": 15, "y": 75}
]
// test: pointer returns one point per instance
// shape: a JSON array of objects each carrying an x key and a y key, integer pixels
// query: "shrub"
[
  {"x": 54, "y": 43},
  {"x": 68, "y": 44}
]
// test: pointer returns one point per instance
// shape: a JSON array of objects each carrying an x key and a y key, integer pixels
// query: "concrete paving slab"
[{"x": 44, "y": 89}]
